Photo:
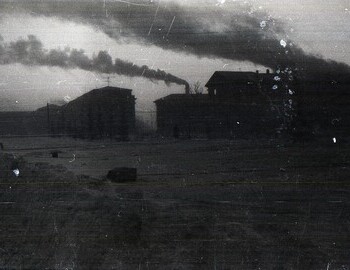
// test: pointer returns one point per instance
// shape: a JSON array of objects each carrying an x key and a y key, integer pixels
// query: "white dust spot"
[
  {"x": 277, "y": 78},
  {"x": 237, "y": 122},
  {"x": 335, "y": 120},
  {"x": 263, "y": 24},
  {"x": 220, "y": 2},
  {"x": 275, "y": 87},
  {"x": 290, "y": 92},
  {"x": 283, "y": 43},
  {"x": 67, "y": 99},
  {"x": 59, "y": 82},
  {"x": 334, "y": 140},
  {"x": 16, "y": 172}
]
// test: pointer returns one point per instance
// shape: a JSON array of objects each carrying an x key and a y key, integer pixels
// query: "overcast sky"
[{"x": 187, "y": 39}]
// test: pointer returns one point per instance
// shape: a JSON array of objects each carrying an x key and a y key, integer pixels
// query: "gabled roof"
[
  {"x": 109, "y": 90},
  {"x": 101, "y": 95},
  {"x": 227, "y": 77},
  {"x": 104, "y": 94},
  {"x": 232, "y": 77}
]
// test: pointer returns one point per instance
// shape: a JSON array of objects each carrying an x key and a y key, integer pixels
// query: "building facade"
[
  {"x": 237, "y": 105},
  {"x": 253, "y": 104},
  {"x": 108, "y": 112}
]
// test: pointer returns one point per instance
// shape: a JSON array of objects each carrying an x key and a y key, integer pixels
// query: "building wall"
[
  {"x": 22, "y": 124},
  {"x": 93, "y": 120},
  {"x": 213, "y": 119},
  {"x": 101, "y": 113}
]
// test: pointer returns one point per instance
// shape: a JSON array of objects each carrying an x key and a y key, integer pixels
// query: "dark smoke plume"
[
  {"x": 236, "y": 32},
  {"x": 31, "y": 52}
]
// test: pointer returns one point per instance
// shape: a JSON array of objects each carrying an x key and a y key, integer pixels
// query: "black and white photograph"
[{"x": 175, "y": 134}]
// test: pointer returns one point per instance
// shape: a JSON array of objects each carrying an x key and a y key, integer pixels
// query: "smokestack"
[{"x": 187, "y": 88}]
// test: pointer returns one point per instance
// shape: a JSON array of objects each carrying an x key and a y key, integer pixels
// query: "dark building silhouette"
[
  {"x": 108, "y": 112},
  {"x": 239, "y": 85},
  {"x": 253, "y": 104},
  {"x": 22, "y": 123},
  {"x": 238, "y": 104}
]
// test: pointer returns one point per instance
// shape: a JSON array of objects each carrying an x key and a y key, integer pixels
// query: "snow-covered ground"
[{"x": 196, "y": 205}]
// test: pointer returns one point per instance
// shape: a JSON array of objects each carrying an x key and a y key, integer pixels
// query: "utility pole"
[{"x": 48, "y": 118}]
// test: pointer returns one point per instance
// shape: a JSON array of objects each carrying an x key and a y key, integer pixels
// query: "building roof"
[
  {"x": 106, "y": 94},
  {"x": 183, "y": 98},
  {"x": 109, "y": 90},
  {"x": 52, "y": 107},
  {"x": 232, "y": 77}
]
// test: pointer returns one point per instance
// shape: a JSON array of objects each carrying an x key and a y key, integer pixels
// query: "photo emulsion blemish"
[{"x": 174, "y": 134}]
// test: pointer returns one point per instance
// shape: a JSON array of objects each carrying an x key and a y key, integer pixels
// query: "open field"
[{"x": 196, "y": 205}]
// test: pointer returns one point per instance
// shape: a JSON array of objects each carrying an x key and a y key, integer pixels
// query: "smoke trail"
[
  {"x": 30, "y": 52},
  {"x": 236, "y": 32}
]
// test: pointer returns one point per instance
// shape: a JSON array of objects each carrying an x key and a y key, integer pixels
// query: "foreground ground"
[{"x": 196, "y": 205}]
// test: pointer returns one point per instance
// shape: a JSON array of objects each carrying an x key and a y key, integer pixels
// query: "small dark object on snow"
[
  {"x": 54, "y": 154},
  {"x": 122, "y": 174}
]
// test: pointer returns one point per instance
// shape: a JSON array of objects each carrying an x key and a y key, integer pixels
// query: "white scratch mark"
[
  {"x": 154, "y": 19},
  {"x": 133, "y": 3},
  {"x": 73, "y": 158},
  {"x": 171, "y": 25},
  {"x": 104, "y": 6}
]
